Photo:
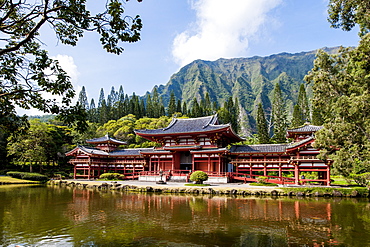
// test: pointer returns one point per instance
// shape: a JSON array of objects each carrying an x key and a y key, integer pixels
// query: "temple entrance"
[{"x": 185, "y": 161}]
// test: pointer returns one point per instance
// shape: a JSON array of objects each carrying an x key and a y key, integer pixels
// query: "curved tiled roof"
[
  {"x": 105, "y": 139},
  {"x": 187, "y": 125},
  {"x": 306, "y": 128},
  {"x": 120, "y": 152},
  {"x": 296, "y": 144},
  {"x": 260, "y": 148}
]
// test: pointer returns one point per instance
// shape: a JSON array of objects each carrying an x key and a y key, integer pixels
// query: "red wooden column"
[
  {"x": 208, "y": 162},
  {"x": 264, "y": 166},
  {"x": 173, "y": 162},
  {"x": 219, "y": 164},
  {"x": 74, "y": 171},
  {"x": 296, "y": 173},
  {"x": 328, "y": 174},
  {"x": 89, "y": 172},
  {"x": 192, "y": 163},
  {"x": 280, "y": 172}
]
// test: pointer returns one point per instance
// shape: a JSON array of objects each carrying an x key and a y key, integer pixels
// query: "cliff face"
[{"x": 252, "y": 80}]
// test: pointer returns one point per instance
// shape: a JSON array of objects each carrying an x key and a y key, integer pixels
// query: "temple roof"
[
  {"x": 119, "y": 152},
  {"x": 191, "y": 126},
  {"x": 105, "y": 139},
  {"x": 187, "y": 125},
  {"x": 305, "y": 129},
  {"x": 296, "y": 144},
  {"x": 260, "y": 148}
]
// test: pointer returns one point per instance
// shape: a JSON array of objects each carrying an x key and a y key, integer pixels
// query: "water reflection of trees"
[
  {"x": 98, "y": 218},
  {"x": 185, "y": 218}
]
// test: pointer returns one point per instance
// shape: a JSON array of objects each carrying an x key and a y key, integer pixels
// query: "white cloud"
[{"x": 222, "y": 29}]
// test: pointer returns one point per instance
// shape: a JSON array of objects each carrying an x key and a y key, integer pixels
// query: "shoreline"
[{"x": 215, "y": 189}]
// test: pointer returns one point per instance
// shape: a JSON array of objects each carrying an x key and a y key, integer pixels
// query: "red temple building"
[{"x": 191, "y": 144}]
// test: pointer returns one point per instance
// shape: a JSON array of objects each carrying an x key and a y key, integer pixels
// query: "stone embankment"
[{"x": 229, "y": 189}]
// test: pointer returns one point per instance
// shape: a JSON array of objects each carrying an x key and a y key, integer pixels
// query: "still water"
[{"x": 53, "y": 216}]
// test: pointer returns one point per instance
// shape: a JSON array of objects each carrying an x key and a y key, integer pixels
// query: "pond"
[{"x": 54, "y": 216}]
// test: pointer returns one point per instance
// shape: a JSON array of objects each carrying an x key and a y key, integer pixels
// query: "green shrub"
[
  {"x": 111, "y": 176},
  {"x": 28, "y": 176},
  {"x": 262, "y": 179},
  {"x": 361, "y": 179},
  {"x": 198, "y": 177}
]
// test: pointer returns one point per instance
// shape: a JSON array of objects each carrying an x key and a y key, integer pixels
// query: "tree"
[
  {"x": 303, "y": 104},
  {"x": 40, "y": 143},
  {"x": 178, "y": 106},
  {"x": 92, "y": 114},
  {"x": 26, "y": 70},
  {"x": 171, "y": 105},
  {"x": 297, "y": 119},
  {"x": 120, "y": 103},
  {"x": 341, "y": 88},
  {"x": 262, "y": 127},
  {"x": 196, "y": 110},
  {"x": 346, "y": 14},
  {"x": 82, "y": 99},
  {"x": 278, "y": 115}
]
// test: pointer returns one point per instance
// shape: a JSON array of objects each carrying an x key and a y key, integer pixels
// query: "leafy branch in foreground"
[{"x": 29, "y": 78}]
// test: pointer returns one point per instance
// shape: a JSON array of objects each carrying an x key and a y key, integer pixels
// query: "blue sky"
[{"x": 176, "y": 32}]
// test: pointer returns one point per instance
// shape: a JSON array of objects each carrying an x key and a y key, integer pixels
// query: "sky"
[{"x": 177, "y": 32}]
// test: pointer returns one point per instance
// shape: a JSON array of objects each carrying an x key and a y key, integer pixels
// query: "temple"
[{"x": 191, "y": 144}]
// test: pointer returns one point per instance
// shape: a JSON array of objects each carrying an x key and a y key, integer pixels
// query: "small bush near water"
[
  {"x": 111, "y": 176},
  {"x": 28, "y": 176},
  {"x": 198, "y": 177}
]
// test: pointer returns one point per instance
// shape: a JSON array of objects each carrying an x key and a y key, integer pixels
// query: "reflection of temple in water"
[{"x": 299, "y": 219}]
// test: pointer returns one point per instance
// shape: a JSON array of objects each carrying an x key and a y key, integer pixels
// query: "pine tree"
[
  {"x": 278, "y": 116},
  {"x": 101, "y": 97},
  {"x": 303, "y": 104},
  {"x": 120, "y": 103},
  {"x": 195, "y": 109},
  {"x": 262, "y": 127},
  {"x": 103, "y": 112},
  {"x": 207, "y": 105},
  {"x": 317, "y": 118},
  {"x": 156, "y": 103},
  {"x": 162, "y": 111},
  {"x": 297, "y": 119},
  {"x": 126, "y": 106},
  {"x": 185, "y": 109},
  {"x": 142, "y": 108},
  {"x": 178, "y": 107},
  {"x": 171, "y": 105},
  {"x": 111, "y": 103},
  {"x": 236, "y": 116},
  {"x": 92, "y": 114},
  {"x": 82, "y": 99},
  {"x": 149, "y": 106}
]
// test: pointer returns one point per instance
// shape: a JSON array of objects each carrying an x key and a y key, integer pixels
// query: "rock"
[
  {"x": 355, "y": 193},
  {"x": 318, "y": 194},
  {"x": 274, "y": 193},
  {"x": 291, "y": 193},
  {"x": 300, "y": 194}
]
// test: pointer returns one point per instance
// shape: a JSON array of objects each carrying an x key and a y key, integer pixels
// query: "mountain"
[{"x": 252, "y": 80}]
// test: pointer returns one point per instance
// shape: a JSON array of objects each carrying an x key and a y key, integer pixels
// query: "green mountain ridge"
[{"x": 252, "y": 80}]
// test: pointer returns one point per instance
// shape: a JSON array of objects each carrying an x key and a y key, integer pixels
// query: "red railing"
[{"x": 247, "y": 177}]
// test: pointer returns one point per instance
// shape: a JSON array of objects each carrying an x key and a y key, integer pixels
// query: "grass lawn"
[
  {"x": 341, "y": 181},
  {"x": 10, "y": 180}
]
